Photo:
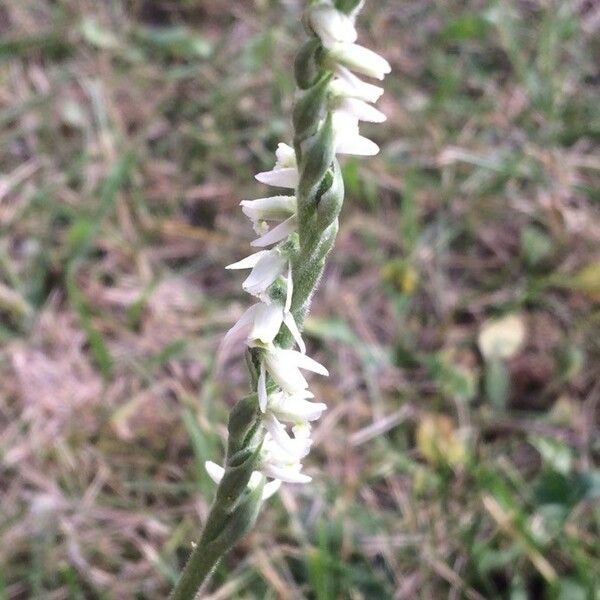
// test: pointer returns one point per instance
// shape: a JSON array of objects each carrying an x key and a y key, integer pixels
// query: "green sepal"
[
  {"x": 226, "y": 527},
  {"x": 252, "y": 366},
  {"x": 349, "y": 6},
  {"x": 318, "y": 154},
  {"x": 310, "y": 109},
  {"x": 242, "y": 422},
  {"x": 308, "y": 269},
  {"x": 307, "y": 66},
  {"x": 329, "y": 203},
  {"x": 233, "y": 486}
]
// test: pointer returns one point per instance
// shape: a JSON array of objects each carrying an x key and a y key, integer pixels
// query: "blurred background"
[{"x": 459, "y": 315}]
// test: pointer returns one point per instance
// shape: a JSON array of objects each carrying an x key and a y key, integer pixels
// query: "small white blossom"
[
  {"x": 348, "y": 139},
  {"x": 285, "y": 178},
  {"x": 267, "y": 266},
  {"x": 280, "y": 465},
  {"x": 266, "y": 324},
  {"x": 360, "y": 59},
  {"x": 285, "y": 156},
  {"x": 277, "y": 234},
  {"x": 348, "y": 84},
  {"x": 217, "y": 472},
  {"x": 275, "y": 208},
  {"x": 284, "y": 367},
  {"x": 285, "y": 172},
  {"x": 358, "y": 109},
  {"x": 332, "y": 26},
  {"x": 259, "y": 326},
  {"x": 293, "y": 447},
  {"x": 302, "y": 431},
  {"x": 295, "y": 408}
]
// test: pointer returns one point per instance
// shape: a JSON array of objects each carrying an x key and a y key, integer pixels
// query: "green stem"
[
  {"x": 235, "y": 509},
  {"x": 199, "y": 566}
]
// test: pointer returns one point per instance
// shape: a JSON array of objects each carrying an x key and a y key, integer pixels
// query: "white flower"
[
  {"x": 296, "y": 448},
  {"x": 302, "y": 431},
  {"x": 348, "y": 139},
  {"x": 277, "y": 234},
  {"x": 278, "y": 464},
  {"x": 238, "y": 333},
  {"x": 359, "y": 109},
  {"x": 360, "y": 59},
  {"x": 216, "y": 473},
  {"x": 285, "y": 156},
  {"x": 285, "y": 178},
  {"x": 285, "y": 173},
  {"x": 284, "y": 367},
  {"x": 348, "y": 84},
  {"x": 295, "y": 408},
  {"x": 275, "y": 208},
  {"x": 259, "y": 326},
  {"x": 332, "y": 26},
  {"x": 266, "y": 265},
  {"x": 288, "y": 472},
  {"x": 261, "y": 323},
  {"x": 267, "y": 322}
]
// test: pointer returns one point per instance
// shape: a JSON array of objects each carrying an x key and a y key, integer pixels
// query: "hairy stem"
[{"x": 199, "y": 566}]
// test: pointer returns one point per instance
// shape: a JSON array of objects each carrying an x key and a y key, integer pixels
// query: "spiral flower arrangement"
[{"x": 270, "y": 430}]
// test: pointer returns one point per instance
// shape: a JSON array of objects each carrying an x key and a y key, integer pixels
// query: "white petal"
[
  {"x": 361, "y": 59},
  {"x": 332, "y": 26},
  {"x": 271, "y": 488},
  {"x": 244, "y": 323},
  {"x": 249, "y": 262},
  {"x": 255, "y": 479},
  {"x": 274, "y": 208},
  {"x": 267, "y": 323},
  {"x": 267, "y": 270},
  {"x": 305, "y": 362},
  {"x": 286, "y": 156},
  {"x": 348, "y": 139},
  {"x": 285, "y": 474},
  {"x": 295, "y": 410},
  {"x": 215, "y": 471},
  {"x": 284, "y": 371},
  {"x": 344, "y": 126},
  {"x": 263, "y": 398},
  {"x": 357, "y": 146},
  {"x": 291, "y": 325},
  {"x": 302, "y": 431},
  {"x": 237, "y": 334},
  {"x": 293, "y": 448},
  {"x": 348, "y": 84},
  {"x": 281, "y": 232},
  {"x": 286, "y": 178},
  {"x": 361, "y": 110}
]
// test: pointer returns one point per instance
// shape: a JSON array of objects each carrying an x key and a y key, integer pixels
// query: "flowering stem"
[{"x": 331, "y": 102}]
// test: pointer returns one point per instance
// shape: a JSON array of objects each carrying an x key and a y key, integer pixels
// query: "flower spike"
[{"x": 269, "y": 431}]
